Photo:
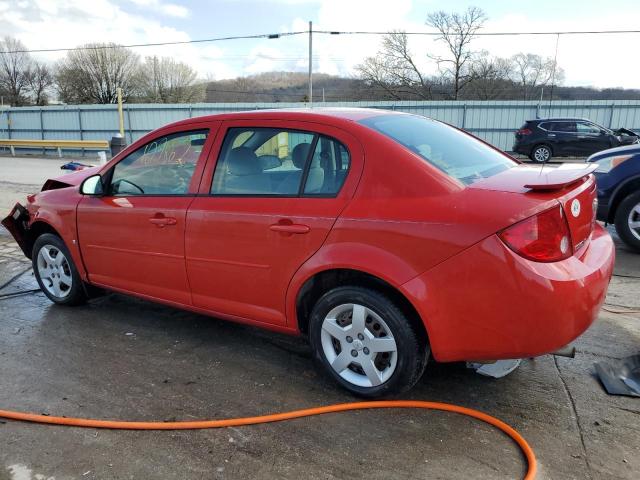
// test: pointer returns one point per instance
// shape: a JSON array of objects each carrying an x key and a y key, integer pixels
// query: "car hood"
[
  {"x": 625, "y": 150},
  {"x": 75, "y": 178}
]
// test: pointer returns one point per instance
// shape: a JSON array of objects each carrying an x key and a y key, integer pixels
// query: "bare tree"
[
  {"x": 93, "y": 73},
  {"x": 164, "y": 80},
  {"x": 39, "y": 80},
  {"x": 14, "y": 68},
  {"x": 457, "y": 31},
  {"x": 532, "y": 71},
  {"x": 490, "y": 77},
  {"x": 394, "y": 71}
]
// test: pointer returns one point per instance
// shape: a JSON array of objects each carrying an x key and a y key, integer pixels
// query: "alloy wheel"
[
  {"x": 634, "y": 221},
  {"x": 54, "y": 271},
  {"x": 359, "y": 345},
  {"x": 541, "y": 154}
]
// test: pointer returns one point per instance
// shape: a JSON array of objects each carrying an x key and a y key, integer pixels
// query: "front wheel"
[
  {"x": 541, "y": 154},
  {"x": 55, "y": 271},
  {"x": 366, "y": 343},
  {"x": 628, "y": 220}
]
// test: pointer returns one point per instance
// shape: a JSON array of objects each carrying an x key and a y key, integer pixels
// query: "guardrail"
[{"x": 57, "y": 144}]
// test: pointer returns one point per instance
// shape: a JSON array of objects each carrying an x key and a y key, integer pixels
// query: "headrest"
[
  {"x": 243, "y": 161},
  {"x": 299, "y": 154}
]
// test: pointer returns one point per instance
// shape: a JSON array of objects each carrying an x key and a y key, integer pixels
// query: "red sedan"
[{"x": 383, "y": 237}]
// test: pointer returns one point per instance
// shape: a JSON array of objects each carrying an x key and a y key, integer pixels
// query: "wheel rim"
[
  {"x": 541, "y": 154},
  {"x": 359, "y": 345},
  {"x": 54, "y": 271},
  {"x": 634, "y": 221}
]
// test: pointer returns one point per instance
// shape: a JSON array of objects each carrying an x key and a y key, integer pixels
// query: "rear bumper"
[
  {"x": 521, "y": 149},
  {"x": 16, "y": 223},
  {"x": 488, "y": 303}
]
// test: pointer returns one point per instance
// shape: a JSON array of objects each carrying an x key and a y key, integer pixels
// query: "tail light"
[
  {"x": 524, "y": 131},
  {"x": 545, "y": 237}
]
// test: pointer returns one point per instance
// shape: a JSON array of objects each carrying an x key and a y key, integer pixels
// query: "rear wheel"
[
  {"x": 627, "y": 220},
  {"x": 541, "y": 153},
  {"x": 55, "y": 271},
  {"x": 366, "y": 343}
]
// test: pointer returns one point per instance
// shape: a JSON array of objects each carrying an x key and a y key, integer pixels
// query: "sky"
[{"x": 588, "y": 60}]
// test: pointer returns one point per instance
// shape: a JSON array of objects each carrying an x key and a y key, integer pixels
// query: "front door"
[
  {"x": 592, "y": 138},
  {"x": 132, "y": 238},
  {"x": 264, "y": 208}
]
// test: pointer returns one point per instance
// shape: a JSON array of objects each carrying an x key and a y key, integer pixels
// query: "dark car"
[
  {"x": 544, "y": 138},
  {"x": 618, "y": 178}
]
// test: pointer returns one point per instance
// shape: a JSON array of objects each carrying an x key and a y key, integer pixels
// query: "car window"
[
  {"x": 583, "y": 127},
  {"x": 456, "y": 153},
  {"x": 278, "y": 162},
  {"x": 569, "y": 127},
  {"x": 544, "y": 126},
  {"x": 161, "y": 167},
  {"x": 328, "y": 169},
  {"x": 268, "y": 162}
]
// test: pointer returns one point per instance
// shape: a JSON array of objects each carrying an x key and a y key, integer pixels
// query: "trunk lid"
[{"x": 572, "y": 185}]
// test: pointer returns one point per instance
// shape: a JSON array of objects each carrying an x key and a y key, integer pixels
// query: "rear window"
[{"x": 457, "y": 154}]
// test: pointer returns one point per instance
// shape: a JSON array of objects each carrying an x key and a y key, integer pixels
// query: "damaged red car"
[{"x": 385, "y": 238}]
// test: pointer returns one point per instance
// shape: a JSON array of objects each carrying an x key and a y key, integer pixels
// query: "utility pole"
[
  {"x": 310, "y": 63},
  {"x": 120, "y": 113}
]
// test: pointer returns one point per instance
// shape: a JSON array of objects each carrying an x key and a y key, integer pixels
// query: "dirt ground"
[{"x": 119, "y": 357}]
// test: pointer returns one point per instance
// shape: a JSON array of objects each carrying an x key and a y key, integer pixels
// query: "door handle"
[
  {"x": 289, "y": 228},
  {"x": 551, "y": 135},
  {"x": 162, "y": 221}
]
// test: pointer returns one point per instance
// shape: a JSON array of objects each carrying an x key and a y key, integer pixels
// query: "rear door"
[
  {"x": 563, "y": 137},
  {"x": 268, "y": 199},
  {"x": 132, "y": 238}
]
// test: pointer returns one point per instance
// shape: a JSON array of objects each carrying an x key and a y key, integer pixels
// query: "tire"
[
  {"x": 381, "y": 356},
  {"x": 541, "y": 153},
  {"x": 627, "y": 220},
  {"x": 55, "y": 271}
]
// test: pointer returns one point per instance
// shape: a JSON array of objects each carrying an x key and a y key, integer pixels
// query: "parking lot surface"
[{"x": 122, "y": 358}]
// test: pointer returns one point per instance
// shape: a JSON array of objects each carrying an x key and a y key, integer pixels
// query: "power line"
[
  {"x": 159, "y": 44},
  {"x": 323, "y": 32},
  {"x": 479, "y": 34}
]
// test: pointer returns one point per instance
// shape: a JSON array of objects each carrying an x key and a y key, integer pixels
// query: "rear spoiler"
[{"x": 551, "y": 178}]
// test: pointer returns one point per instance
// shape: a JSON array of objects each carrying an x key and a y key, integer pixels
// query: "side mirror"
[{"x": 92, "y": 186}]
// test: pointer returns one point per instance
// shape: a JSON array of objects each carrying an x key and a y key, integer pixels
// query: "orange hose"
[{"x": 278, "y": 417}]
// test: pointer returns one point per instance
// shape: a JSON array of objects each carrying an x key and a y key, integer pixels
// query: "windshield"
[{"x": 455, "y": 153}]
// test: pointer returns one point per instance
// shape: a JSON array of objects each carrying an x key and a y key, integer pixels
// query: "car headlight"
[{"x": 605, "y": 165}]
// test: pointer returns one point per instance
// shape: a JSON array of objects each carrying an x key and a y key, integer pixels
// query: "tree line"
[
  {"x": 462, "y": 72},
  {"x": 92, "y": 74}
]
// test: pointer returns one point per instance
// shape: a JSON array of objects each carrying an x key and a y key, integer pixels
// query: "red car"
[{"x": 383, "y": 237}]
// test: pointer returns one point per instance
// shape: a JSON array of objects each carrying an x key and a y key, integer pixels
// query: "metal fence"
[{"x": 494, "y": 121}]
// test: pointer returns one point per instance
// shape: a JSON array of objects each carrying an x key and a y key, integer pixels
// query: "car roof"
[
  {"x": 568, "y": 119},
  {"x": 301, "y": 114}
]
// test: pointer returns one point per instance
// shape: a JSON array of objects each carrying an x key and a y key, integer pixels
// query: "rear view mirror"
[{"x": 92, "y": 186}]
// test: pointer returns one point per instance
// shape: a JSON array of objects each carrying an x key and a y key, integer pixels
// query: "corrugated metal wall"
[{"x": 494, "y": 121}]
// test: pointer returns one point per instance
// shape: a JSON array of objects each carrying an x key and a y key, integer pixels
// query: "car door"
[
  {"x": 132, "y": 238},
  {"x": 591, "y": 137},
  {"x": 267, "y": 202},
  {"x": 562, "y": 137}
]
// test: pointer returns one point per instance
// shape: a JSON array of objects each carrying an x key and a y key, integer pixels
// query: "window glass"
[
  {"x": 544, "y": 126},
  {"x": 328, "y": 168},
  {"x": 567, "y": 127},
  {"x": 267, "y": 162},
  {"x": 162, "y": 167},
  {"x": 457, "y": 154},
  {"x": 583, "y": 127}
]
